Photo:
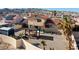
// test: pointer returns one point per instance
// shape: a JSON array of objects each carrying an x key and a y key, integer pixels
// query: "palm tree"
[
  {"x": 44, "y": 44},
  {"x": 66, "y": 26}
]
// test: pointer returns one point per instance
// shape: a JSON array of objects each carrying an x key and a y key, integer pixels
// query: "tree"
[
  {"x": 55, "y": 12},
  {"x": 66, "y": 26},
  {"x": 44, "y": 44}
]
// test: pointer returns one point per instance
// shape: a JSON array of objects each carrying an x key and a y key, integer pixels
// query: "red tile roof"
[{"x": 44, "y": 17}]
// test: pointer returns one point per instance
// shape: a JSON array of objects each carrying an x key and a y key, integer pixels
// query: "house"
[
  {"x": 51, "y": 25},
  {"x": 36, "y": 21},
  {"x": 9, "y": 19},
  {"x": 2, "y": 20}
]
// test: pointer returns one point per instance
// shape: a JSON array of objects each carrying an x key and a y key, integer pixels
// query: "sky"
[
  {"x": 65, "y": 9},
  {"x": 65, "y": 5},
  {"x": 59, "y": 9}
]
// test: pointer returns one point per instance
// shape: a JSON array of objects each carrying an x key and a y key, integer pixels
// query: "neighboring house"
[
  {"x": 56, "y": 20},
  {"x": 50, "y": 26},
  {"x": 9, "y": 18},
  {"x": 16, "y": 18},
  {"x": 49, "y": 23},
  {"x": 76, "y": 19},
  {"x": 2, "y": 20},
  {"x": 44, "y": 16},
  {"x": 36, "y": 21},
  {"x": 44, "y": 23}
]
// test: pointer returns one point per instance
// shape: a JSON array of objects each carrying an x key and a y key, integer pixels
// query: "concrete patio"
[{"x": 58, "y": 43}]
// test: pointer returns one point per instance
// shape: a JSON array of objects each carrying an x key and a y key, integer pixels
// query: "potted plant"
[
  {"x": 21, "y": 35},
  {"x": 44, "y": 44}
]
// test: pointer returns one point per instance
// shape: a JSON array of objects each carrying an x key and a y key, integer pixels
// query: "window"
[{"x": 38, "y": 20}]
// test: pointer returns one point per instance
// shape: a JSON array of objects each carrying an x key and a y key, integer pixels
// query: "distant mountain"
[
  {"x": 21, "y": 10},
  {"x": 36, "y": 10}
]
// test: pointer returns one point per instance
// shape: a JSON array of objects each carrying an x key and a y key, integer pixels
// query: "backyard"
[{"x": 53, "y": 42}]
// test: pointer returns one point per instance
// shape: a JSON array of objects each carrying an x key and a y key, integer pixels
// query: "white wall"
[
  {"x": 74, "y": 42},
  {"x": 29, "y": 46}
]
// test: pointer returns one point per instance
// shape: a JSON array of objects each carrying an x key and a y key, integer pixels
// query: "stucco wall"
[
  {"x": 29, "y": 46},
  {"x": 9, "y": 40},
  {"x": 74, "y": 42}
]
